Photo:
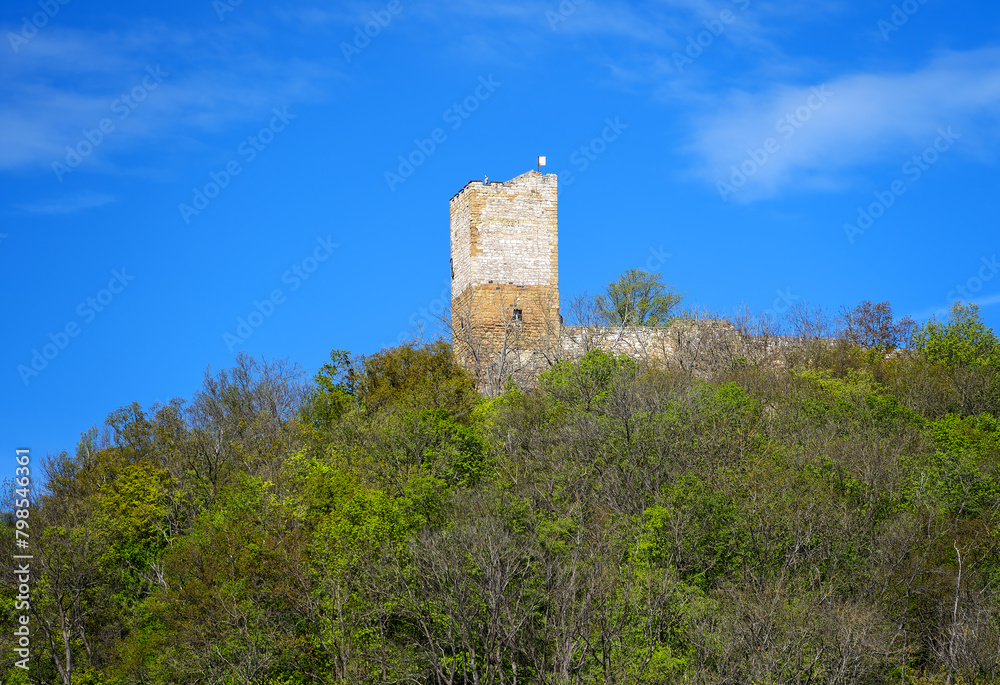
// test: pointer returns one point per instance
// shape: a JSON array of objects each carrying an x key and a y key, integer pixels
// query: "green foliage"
[
  {"x": 131, "y": 515},
  {"x": 694, "y": 530},
  {"x": 455, "y": 453},
  {"x": 425, "y": 443},
  {"x": 962, "y": 475},
  {"x": 977, "y": 435},
  {"x": 412, "y": 378},
  {"x": 963, "y": 341},
  {"x": 836, "y": 523},
  {"x": 229, "y": 602},
  {"x": 332, "y": 396},
  {"x": 726, "y": 402},
  {"x": 132, "y": 507},
  {"x": 425, "y": 502},
  {"x": 322, "y": 484},
  {"x": 720, "y": 423},
  {"x": 360, "y": 530},
  {"x": 587, "y": 382},
  {"x": 855, "y": 397},
  {"x": 637, "y": 298}
]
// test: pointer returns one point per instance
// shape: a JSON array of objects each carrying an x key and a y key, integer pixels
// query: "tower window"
[{"x": 517, "y": 315}]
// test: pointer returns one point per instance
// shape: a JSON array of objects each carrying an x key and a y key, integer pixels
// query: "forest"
[{"x": 832, "y": 519}]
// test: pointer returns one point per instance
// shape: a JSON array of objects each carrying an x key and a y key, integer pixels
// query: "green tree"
[
  {"x": 588, "y": 381},
  {"x": 408, "y": 377},
  {"x": 638, "y": 298},
  {"x": 332, "y": 395},
  {"x": 963, "y": 341},
  {"x": 229, "y": 604}
]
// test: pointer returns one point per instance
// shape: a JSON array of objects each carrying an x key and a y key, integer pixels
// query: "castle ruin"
[{"x": 505, "y": 314}]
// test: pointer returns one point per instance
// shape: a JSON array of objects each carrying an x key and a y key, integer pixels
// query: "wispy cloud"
[
  {"x": 72, "y": 79},
  {"x": 942, "y": 312},
  {"x": 868, "y": 118},
  {"x": 68, "y": 205},
  {"x": 989, "y": 301}
]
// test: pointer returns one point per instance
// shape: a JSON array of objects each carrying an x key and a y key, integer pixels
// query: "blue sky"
[{"x": 169, "y": 169}]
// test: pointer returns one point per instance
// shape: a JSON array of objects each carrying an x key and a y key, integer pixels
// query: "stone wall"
[
  {"x": 688, "y": 343},
  {"x": 700, "y": 346}
]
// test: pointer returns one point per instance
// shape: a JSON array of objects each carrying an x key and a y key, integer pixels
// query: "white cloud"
[{"x": 868, "y": 118}]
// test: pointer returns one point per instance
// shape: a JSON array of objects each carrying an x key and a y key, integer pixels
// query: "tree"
[
  {"x": 333, "y": 394},
  {"x": 409, "y": 377},
  {"x": 968, "y": 352},
  {"x": 964, "y": 341},
  {"x": 638, "y": 298},
  {"x": 98, "y": 542},
  {"x": 808, "y": 323},
  {"x": 72, "y": 599},
  {"x": 872, "y": 325},
  {"x": 239, "y": 421},
  {"x": 227, "y": 611},
  {"x": 587, "y": 381}
]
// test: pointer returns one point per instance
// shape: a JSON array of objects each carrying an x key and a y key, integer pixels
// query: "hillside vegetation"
[{"x": 833, "y": 520}]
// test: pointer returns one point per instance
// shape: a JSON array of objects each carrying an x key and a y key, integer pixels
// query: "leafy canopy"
[
  {"x": 963, "y": 341},
  {"x": 638, "y": 298}
]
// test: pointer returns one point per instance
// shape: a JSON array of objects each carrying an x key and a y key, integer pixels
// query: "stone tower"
[{"x": 504, "y": 266}]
